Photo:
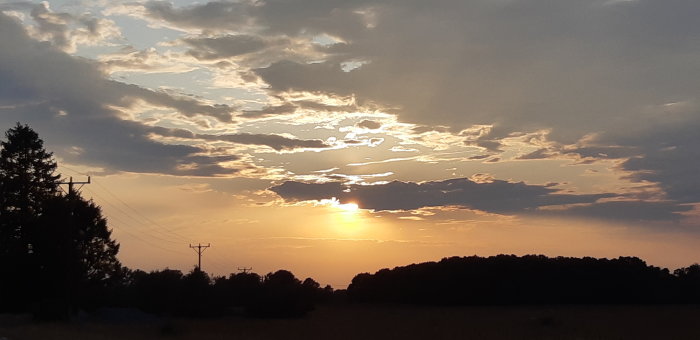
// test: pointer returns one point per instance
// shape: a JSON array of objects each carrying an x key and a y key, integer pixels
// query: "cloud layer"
[
  {"x": 575, "y": 69},
  {"x": 493, "y": 196},
  {"x": 74, "y": 107},
  {"x": 590, "y": 81}
]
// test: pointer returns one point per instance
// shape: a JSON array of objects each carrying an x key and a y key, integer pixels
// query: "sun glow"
[{"x": 349, "y": 207}]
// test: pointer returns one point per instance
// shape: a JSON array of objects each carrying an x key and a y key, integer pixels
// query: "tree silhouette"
[
  {"x": 530, "y": 279},
  {"x": 54, "y": 247},
  {"x": 27, "y": 180},
  {"x": 74, "y": 250}
]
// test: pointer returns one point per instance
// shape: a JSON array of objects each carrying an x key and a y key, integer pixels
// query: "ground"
[{"x": 392, "y": 322}]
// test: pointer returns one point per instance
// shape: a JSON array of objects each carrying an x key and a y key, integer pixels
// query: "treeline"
[
  {"x": 532, "y": 279},
  {"x": 171, "y": 292},
  {"x": 196, "y": 294}
]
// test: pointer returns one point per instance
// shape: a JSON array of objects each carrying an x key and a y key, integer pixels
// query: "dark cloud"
[
  {"x": 64, "y": 30},
  {"x": 277, "y": 17},
  {"x": 489, "y": 145},
  {"x": 210, "y": 16},
  {"x": 352, "y": 141},
  {"x": 276, "y": 142},
  {"x": 224, "y": 46},
  {"x": 496, "y": 196},
  {"x": 369, "y": 124},
  {"x": 270, "y": 111},
  {"x": 670, "y": 156},
  {"x": 537, "y": 154},
  {"x": 77, "y": 111},
  {"x": 605, "y": 152}
]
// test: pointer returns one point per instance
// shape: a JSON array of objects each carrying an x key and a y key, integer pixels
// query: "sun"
[{"x": 349, "y": 207}]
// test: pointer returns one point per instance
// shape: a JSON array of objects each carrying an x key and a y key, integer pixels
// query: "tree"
[
  {"x": 27, "y": 180},
  {"x": 52, "y": 246},
  {"x": 75, "y": 254}
]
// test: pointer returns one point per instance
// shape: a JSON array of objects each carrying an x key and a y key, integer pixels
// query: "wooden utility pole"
[
  {"x": 244, "y": 270},
  {"x": 69, "y": 257},
  {"x": 71, "y": 185},
  {"x": 199, "y": 249}
]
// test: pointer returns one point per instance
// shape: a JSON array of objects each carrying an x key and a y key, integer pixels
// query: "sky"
[{"x": 334, "y": 137}]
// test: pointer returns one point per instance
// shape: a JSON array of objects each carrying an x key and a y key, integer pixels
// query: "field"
[{"x": 393, "y": 322}]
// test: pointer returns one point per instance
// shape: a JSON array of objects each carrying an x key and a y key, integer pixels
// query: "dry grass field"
[{"x": 394, "y": 322}]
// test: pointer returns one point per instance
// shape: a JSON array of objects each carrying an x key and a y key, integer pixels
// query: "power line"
[
  {"x": 132, "y": 218},
  {"x": 172, "y": 233},
  {"x": 163, "y": 230}
]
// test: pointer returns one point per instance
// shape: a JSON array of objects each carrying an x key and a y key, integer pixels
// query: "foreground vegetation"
[{"x": 358, "y": 321}]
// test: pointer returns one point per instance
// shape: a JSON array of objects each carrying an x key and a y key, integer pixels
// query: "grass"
[{"x": 396, "y": 322}]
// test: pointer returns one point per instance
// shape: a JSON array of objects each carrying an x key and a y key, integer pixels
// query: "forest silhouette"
[{"x": 58, "y": 257}]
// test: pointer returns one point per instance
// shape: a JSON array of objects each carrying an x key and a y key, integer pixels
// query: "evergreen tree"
[
  {"x": 27, "y": 180},
  {"x": 52, "y": 246}
]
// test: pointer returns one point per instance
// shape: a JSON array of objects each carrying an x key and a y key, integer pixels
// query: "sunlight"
[
  {"x": 347, "y": 217},
  {"x": 349, "y": 207}
]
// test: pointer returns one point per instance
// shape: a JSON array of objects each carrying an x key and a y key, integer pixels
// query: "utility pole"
[
  {"x": 71, "y": 185},
  {"x": 70, "y": 255},
  {"x": 199, "y": 249},
  {"x": 244, "y": 270}
]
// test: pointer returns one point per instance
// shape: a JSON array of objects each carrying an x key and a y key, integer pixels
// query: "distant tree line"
[
  {"x": 531, "y": 279},
  {"x": 196, "y": 294}
]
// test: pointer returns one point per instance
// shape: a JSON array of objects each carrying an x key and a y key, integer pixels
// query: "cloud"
[
  {"x": 484, "y": 193},
  {"x": 627, "y": 211},
  {"x": 65, "y": 30},
  {"x": 276, "y": 142},
  {"x": 624, "y": 72},
  {"x": 222, "y": 15},
  {"x": 270, "y": 111},
  {"x": 521, "y": 65},
  {"x": 369, "y": 124},
  {"x": 669, "y": 156},
  {"x": 537, "y": 154},
  {"x": 129, "y": 59},
  {"x": 74, "y": 107},
  {"x": 494, "y": 196},
  {"x": 224, "y": 46}
]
